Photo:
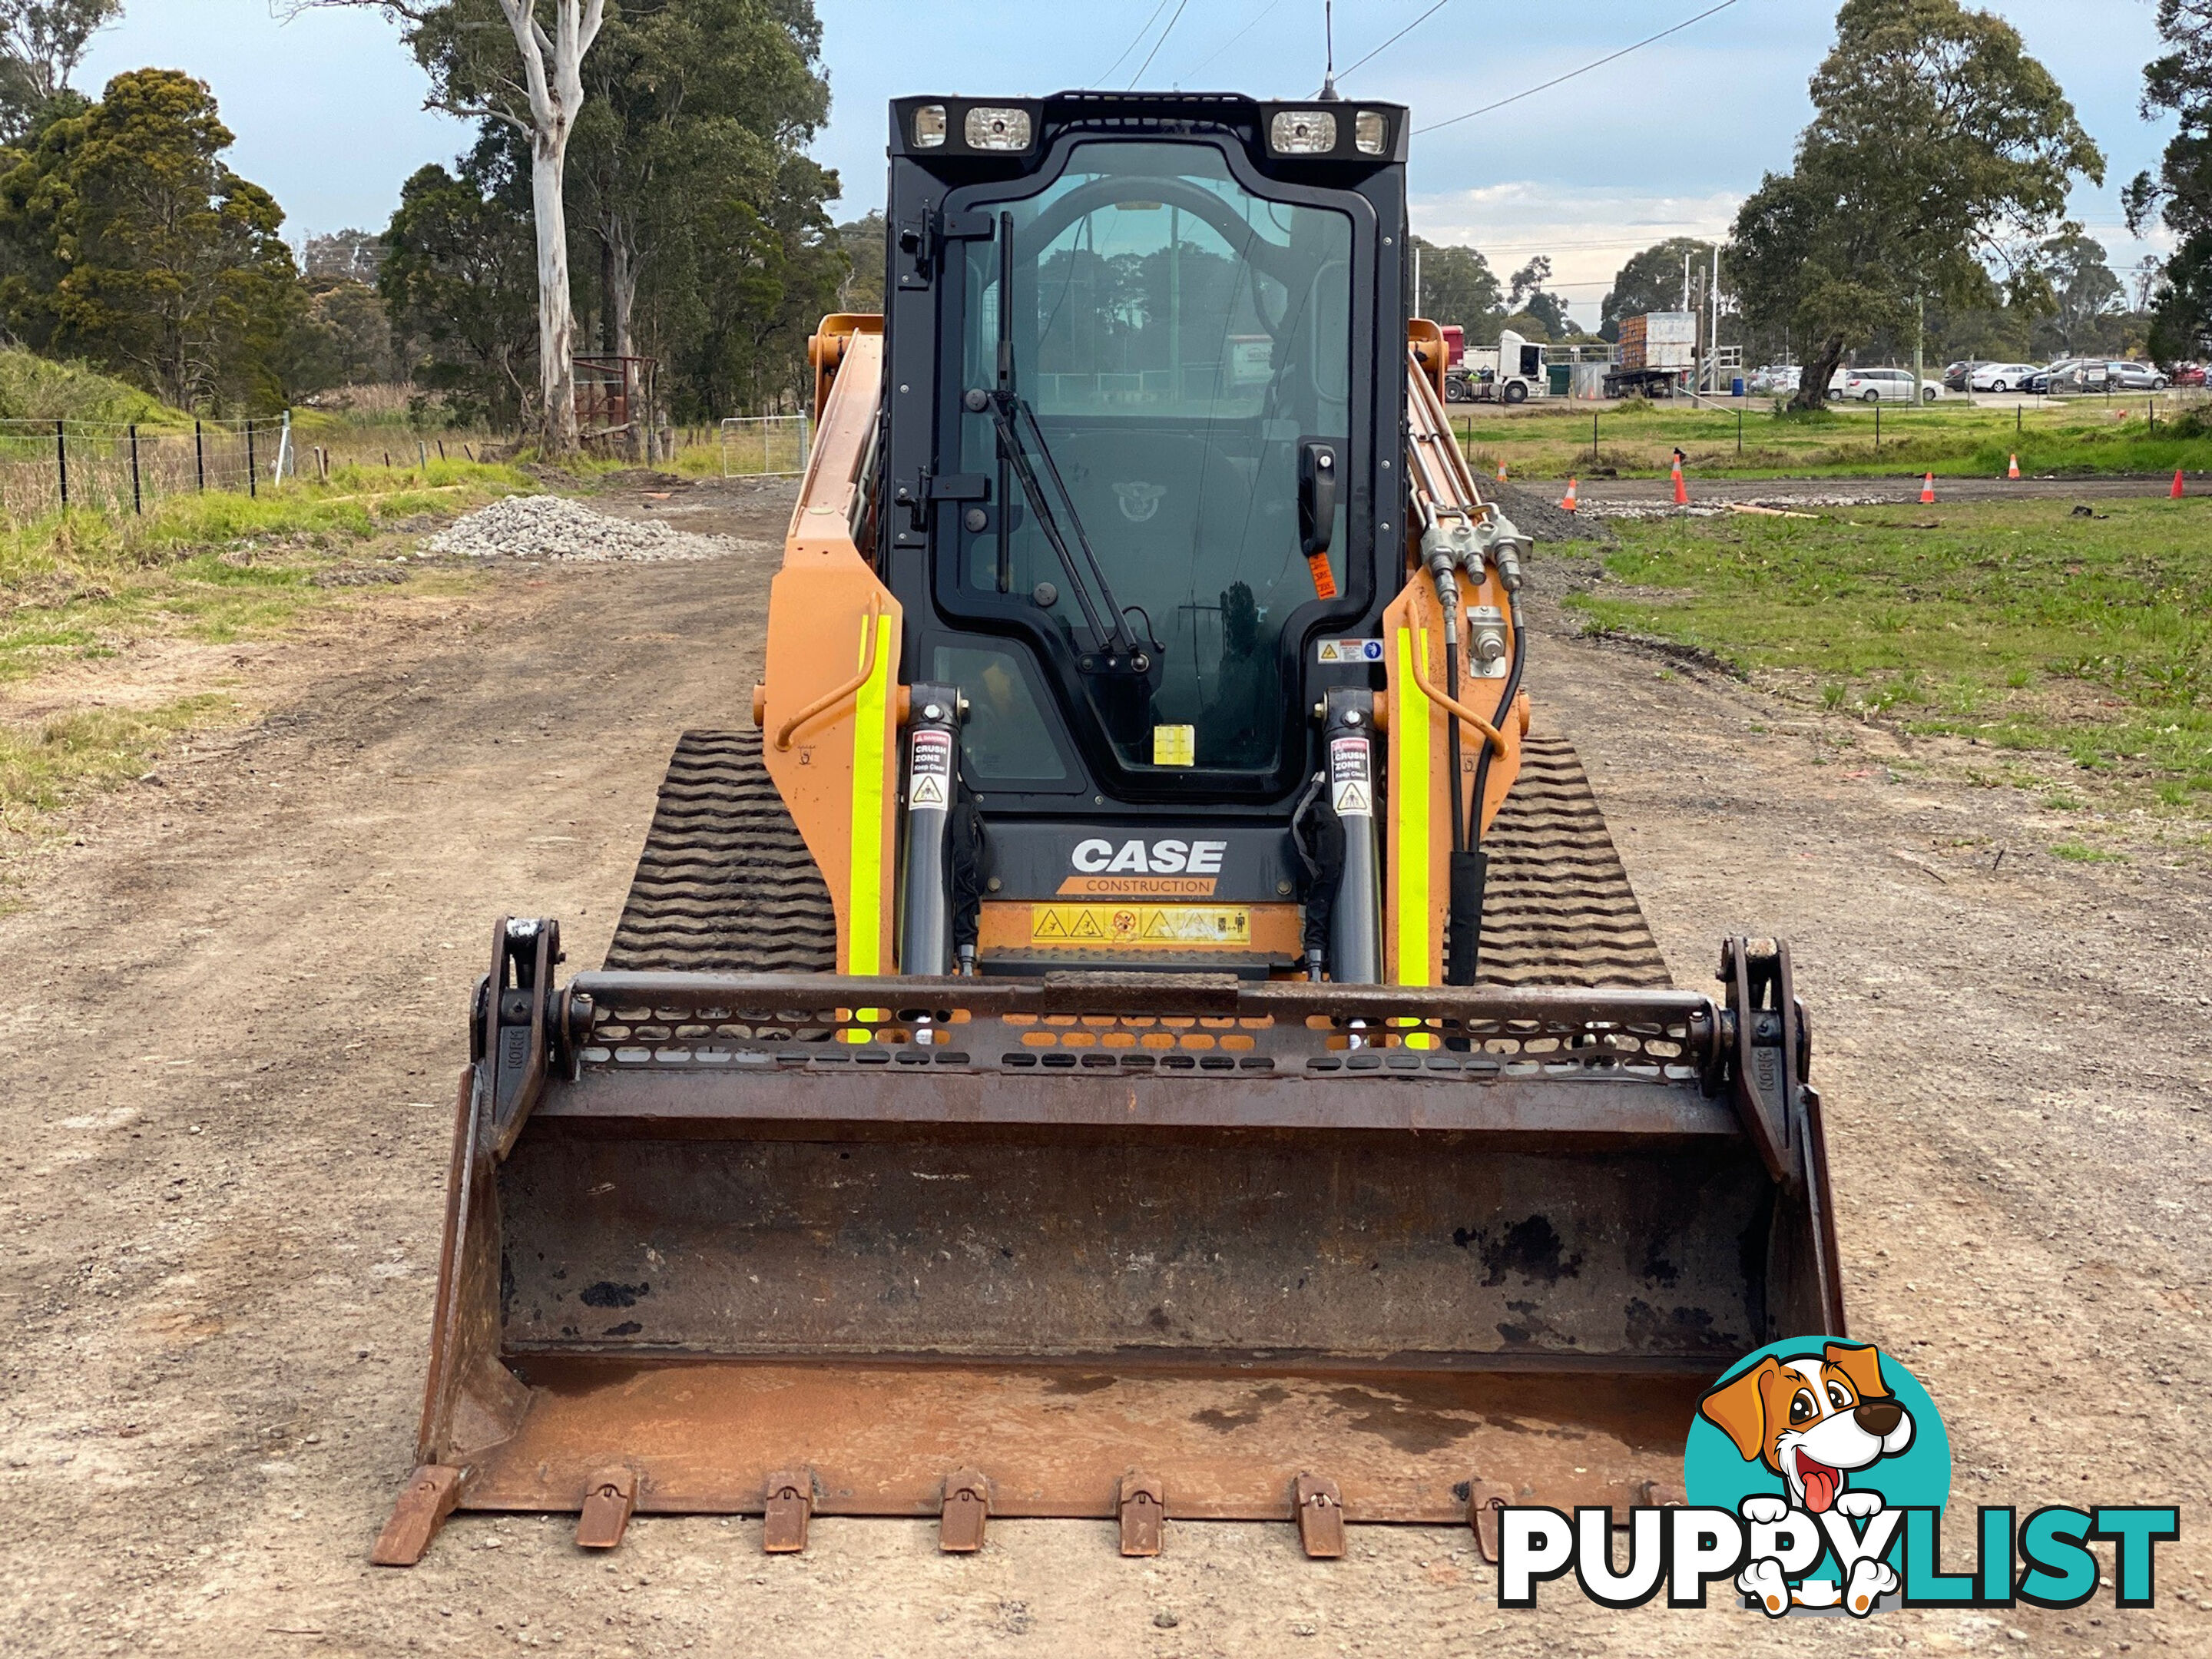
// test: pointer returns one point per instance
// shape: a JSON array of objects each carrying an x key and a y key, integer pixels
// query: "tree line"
[
  {"x": 1925, "y": 203},
  {"x": 687, "y": 223},
  {"x": 639, "y": 186}
]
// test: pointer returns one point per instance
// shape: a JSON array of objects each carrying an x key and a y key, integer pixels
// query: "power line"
[
  {"x": 1132, "y": 44},
  {"x": 1396, "y": 38},
  {"x": 1559, "y": 80},
  {"x": 1162, "y": 41},
  {"x": 1256, "y": 19}
]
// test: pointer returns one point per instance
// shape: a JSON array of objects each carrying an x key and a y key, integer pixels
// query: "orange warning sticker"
[
  {"x": 1324, "y": 578},
  {"x": 1156, "y": 926}
]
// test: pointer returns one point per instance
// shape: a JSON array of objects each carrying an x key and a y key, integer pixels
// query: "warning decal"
[
  {"x": 929, "y": 769},
  {"x": 1350, "y": 778},
  {"x": 1348, "y": 651},
  {"x": 1179, "y": 926}
]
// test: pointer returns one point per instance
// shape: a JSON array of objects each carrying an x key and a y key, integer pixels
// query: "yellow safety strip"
[
  {"x": 1409, "y": 807},
  {"x": 864, "y": 910}
]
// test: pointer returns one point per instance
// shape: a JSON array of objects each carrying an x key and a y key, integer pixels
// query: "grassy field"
[
  {"x": 1950, "y": 439},
  {"x": 209, "y": 568},
  {"x": 2017, "y": 624}
]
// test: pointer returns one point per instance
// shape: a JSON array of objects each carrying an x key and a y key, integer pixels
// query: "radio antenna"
[{"x": 1328, "y": 50}]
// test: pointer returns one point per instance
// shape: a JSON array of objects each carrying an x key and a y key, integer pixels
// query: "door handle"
[{"x": 1319, "y": 468}]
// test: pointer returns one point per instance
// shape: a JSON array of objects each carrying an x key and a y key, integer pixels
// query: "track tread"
[
  {"x": 1559, "y": 909},
  {"x": 726, "y": 883}
]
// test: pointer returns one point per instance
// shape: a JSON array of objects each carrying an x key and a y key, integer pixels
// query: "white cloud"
[{"x": 1589, "y": 233}]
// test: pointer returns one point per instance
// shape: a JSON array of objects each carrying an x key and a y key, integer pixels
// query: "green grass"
[
  {"x": 1952, "y": 439},
  {"x": 53, "y": 762},
  {"x": 2075, "y": 852},
  {"x": 35, "y": 388},
  {"x": 2012, "y": 623}
]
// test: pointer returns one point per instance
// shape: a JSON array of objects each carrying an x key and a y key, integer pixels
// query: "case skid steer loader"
[{"x": 1140, "y": 1027}]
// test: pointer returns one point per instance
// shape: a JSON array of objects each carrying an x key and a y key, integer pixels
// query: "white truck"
[{"x": 1510, "y": 372}]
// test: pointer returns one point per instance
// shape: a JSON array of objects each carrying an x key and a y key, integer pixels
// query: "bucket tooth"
[
  {"x": 1485, "y": 1498},
  {"x": 607, "y": 1506},
  {"x": 1144, "y": 1506},
  {"x": 967, "y": 1506},
  {"x": 1321, "y": 1517},
  {"x": 429, "y": 1496},
  {"x": 788, "y": 1508}
]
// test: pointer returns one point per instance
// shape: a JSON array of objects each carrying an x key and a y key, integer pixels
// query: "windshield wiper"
[{"x": 1010, "y": 413}]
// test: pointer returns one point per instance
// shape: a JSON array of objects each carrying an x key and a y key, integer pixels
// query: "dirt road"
[{"x": 239, "y": 1007}]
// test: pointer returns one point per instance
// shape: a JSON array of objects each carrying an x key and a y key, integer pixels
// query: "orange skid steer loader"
[{"x": 1141, "y": 1026}]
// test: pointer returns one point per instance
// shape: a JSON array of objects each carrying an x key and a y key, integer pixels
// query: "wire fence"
[
  {"x": 46, "y": 465},
  {"x": 765, "y": 445}
]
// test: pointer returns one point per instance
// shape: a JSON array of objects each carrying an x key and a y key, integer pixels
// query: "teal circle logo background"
[{"x": 1716, "y": 1475}]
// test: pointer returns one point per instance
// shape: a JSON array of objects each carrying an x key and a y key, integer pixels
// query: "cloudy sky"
[{"x": 1663, "y": 143}]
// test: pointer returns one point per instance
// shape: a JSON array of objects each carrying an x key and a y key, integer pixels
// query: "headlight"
[
  {"x": 929, "y": 126},
  {"x": 1302, "y": 133},
  {"x": 1370, "y": 131},
  {"x": 997, "y": 128}
]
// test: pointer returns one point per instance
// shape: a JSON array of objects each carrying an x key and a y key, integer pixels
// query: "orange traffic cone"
[
  {"x": 1568, "y": 504},
  {"x": 1682, "y": 490},
  {"x": 2177, "y": 491},
  {"x": 1501, "y": 472},
  {"x": 2012, "y": 472},
  {"x": 1928, "y": 490}
]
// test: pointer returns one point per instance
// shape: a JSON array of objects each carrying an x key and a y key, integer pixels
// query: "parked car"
[
  {"x": 1956, "y": 376},
  {"x": 2001, "y": 377},
  {"x": 2040, "y": 381},
  {"x": 1879, "y": 384},
  {"x": 2128, "y": 375},
  {"x": 2189, "y": 375},
  {"x": 1776, "y": 378},
  {"x": 2079, "y": 377}
]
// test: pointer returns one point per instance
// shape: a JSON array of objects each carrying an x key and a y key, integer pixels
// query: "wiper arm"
[{"x": 1009, "y": 411}]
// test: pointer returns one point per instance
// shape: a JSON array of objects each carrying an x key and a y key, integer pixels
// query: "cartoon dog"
[{"x": 1813, "y": 1419}]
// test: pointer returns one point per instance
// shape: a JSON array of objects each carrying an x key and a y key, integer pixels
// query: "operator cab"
[{"x": 1143, "y": 353}]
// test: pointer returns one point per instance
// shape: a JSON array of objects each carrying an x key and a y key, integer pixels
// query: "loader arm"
[{"x": 831, "y": 704}]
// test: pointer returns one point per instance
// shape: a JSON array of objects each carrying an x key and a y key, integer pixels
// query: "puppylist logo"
[{"x": 1816, "y": 1473}]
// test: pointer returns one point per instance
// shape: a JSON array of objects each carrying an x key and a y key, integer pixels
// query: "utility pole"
[
  {"x": 1715, "y": 298},
  {"x": 1919, "y": 341}
]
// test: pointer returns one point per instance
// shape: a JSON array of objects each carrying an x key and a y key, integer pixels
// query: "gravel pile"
[
  {"x": 1539, "y": 517},
  {"x": 556, "y": 527}
]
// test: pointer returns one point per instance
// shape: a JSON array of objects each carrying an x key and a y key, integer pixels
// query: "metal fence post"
[
  {"x": 199, "y": 457},
  {"x": 61, "y": 457},
  {"x": 137, "y": 499},
  {"x": 252, "y": 466},
  {"x": 1738, "y": 432}
]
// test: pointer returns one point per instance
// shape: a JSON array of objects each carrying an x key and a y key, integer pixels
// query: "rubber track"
[
  {"x": 1559, "y": 909},
  {"x": 726, "y": 883}
]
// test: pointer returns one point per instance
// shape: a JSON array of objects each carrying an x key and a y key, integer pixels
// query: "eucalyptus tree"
[
  {"x": 520, "y": 63},
  {"x": 1938, "y": 160}
]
